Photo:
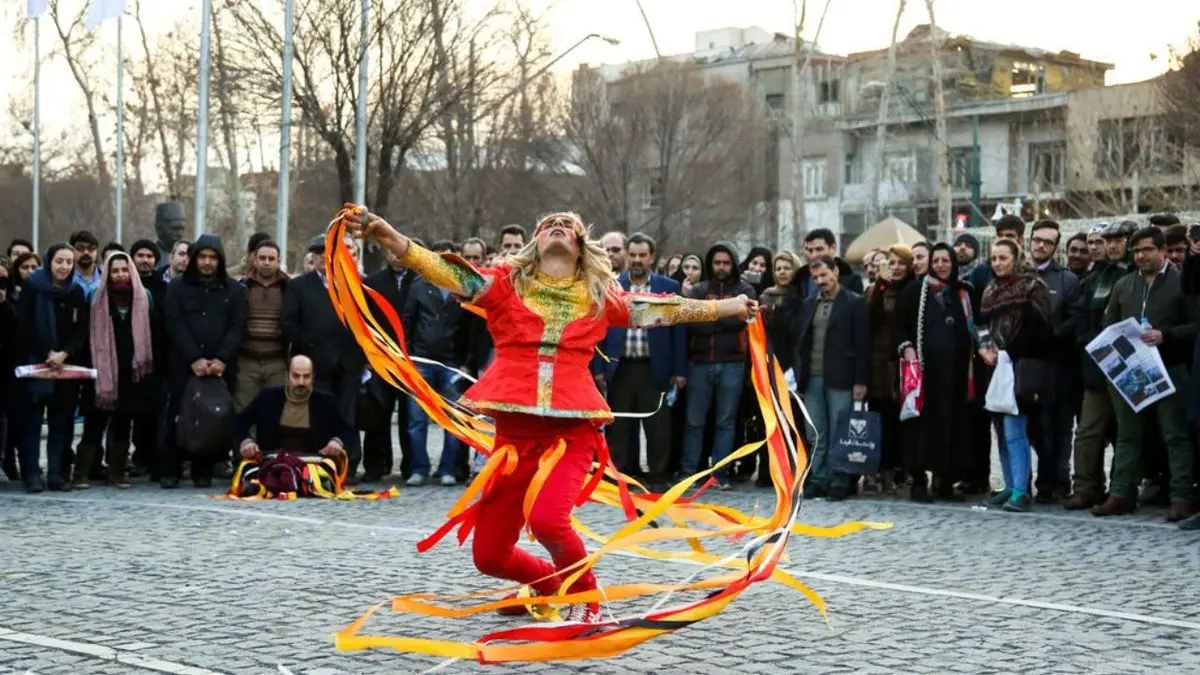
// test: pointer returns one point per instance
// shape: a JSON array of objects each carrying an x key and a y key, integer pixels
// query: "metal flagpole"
[
  {"x": 285, "y": 135},
  {"x": 120, "y": 135},
  {"x": 202, "y": 118},
  {"x": 360, "y": 142},
  {"x": 37, "y": 129}
]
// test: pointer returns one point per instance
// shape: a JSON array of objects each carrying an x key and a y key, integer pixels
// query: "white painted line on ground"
[
  {"x": 1038, "y": 515},
  {"x": 104, "y": 653},
  {"x": 832, "y": 578}
]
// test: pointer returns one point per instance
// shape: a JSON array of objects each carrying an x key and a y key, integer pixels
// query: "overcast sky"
[{"x": 1105, "y": 31}]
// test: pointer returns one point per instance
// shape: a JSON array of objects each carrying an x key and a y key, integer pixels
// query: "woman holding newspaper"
[
  {"x": 1015, "y": 310},
  {"x": 53, "y": 317}
]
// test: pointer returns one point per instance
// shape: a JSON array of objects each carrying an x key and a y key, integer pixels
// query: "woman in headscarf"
[
  {"x": 1015, "y": 308},
  {"x": 883, "y": 299},
  {"x": 671, "y": 266},
  {"x": 783, "y": 271},
  {"x": 22, "y": 266},
  {"x": 756, "y": 269},
  {"x": 936, "y": 330},
  {"x": 52, "y": 315},
  {"x": 690, "y": 273},
  {"x": 122, "y": 348}
]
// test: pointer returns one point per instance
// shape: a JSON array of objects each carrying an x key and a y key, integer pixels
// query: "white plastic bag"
[{"x": 1002, "y": 392}]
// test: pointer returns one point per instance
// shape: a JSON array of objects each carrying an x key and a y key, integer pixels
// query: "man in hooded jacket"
[
  {"x": 716, "y": 363},
  {"x": 206, "y": 323}
]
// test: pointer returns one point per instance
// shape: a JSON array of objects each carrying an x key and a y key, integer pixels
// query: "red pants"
[{"x": 501, "y": 514}]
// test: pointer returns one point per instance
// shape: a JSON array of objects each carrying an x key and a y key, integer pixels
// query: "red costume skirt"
[{"x": 537, "y": 475}]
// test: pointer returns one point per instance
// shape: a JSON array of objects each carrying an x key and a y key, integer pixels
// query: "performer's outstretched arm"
[
  {"x": 642, "y": 310},
  {"x": 454, "y": 276}
]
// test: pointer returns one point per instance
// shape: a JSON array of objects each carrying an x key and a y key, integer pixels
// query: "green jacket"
[{"x": 1164, "y": 306}]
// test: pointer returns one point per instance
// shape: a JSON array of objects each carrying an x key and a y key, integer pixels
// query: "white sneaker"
[
  {"x": 448, "y": 480},
  {"x": 582, "y": 612},
  {"x": 415, "y": 480}
]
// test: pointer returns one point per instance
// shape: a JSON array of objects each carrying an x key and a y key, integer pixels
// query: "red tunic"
[{"x": 545, "y": 338}]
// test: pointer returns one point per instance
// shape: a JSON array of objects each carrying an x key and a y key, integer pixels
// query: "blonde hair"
[
  {"x": 593, "y": 267},
  {"x": 790, "y": 257}
]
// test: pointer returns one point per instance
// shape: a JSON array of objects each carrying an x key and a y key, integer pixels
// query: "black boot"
[
  {"x": 85, "y": 456},
  {"x": 118, "y": 465}
]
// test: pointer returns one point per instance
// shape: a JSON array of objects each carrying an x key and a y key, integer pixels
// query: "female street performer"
[{"x": 547, "y": 307}]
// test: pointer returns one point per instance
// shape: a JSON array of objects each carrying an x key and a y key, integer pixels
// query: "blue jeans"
[
  {"x": 824, "y": 405},
  {"x": 712, "y": 385},
  {"x": 1015, "y": 455},
  {"x": 60, "y": 431},
  {"x": 418, "y": 425}
]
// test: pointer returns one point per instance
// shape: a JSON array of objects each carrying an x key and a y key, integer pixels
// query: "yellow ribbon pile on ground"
[{"x": 764, "y": 539}]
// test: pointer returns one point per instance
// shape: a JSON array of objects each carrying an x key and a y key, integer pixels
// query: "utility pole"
[{"x": 945, "y": 199}]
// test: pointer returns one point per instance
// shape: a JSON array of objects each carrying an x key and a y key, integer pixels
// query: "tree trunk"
[
  {"x": 89, "y": 97},
  {"x": 228, "y": 131},
  {"x": 800, "y": 83},
  {"x": 876, "y": 207},
  {"x": 159, "y": 123}
]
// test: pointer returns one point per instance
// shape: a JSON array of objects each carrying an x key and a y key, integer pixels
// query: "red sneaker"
[{"x": 584, "y": 612}]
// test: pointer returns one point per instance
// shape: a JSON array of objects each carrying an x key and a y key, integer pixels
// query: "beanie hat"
[
  {"x": 970, "y": 240},
  {"x": 145, "y": 244}
]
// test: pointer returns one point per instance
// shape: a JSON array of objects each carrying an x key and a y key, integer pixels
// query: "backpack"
[{"x": 205, "y": 422}]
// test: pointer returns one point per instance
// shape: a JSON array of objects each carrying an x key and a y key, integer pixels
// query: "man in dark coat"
[
  {"x": 393, "y": 283},
  {"x": 294, "y": 418},
  {"x": 206, "y": 324},
  {"x": 313, "y": 328}
]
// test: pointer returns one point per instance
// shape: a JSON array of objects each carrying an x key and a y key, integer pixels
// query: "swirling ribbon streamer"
[{"x": 764, "y": 538}]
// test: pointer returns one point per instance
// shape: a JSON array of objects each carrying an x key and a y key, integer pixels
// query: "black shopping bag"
[{"x": 856, "y": 442}]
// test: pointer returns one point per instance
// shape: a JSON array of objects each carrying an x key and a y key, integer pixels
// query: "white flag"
[
  {"x": 103, "y": 10},
  {"x": 36, "y": 7}
]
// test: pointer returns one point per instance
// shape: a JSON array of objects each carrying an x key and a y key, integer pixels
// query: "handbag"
[
  {"x": 857, "y": 442},
  {"x": 1033, "y": 379}
]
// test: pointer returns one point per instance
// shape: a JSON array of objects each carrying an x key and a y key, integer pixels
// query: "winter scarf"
[
  {"x": 46, "y": 297},
  {"x": 103, "y": 340},
  {"x": 1004, "y": 302}
]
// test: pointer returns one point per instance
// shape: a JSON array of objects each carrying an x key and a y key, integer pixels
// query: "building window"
[
  {"x": 901, "y": 167},
  {"x": 959, "y": 167},
  {"x": 1047, "y": 165},
  {"x": 814, "y": 178},
  {"x": 830, "y": 91},
  {"x": 852, "y": 175},
  {"x": 1028, "y": 79},
  {"x": 774, "y": 104}
]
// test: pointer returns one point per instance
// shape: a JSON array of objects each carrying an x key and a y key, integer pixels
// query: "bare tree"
[
  {"x": 75, "y": 42},
  {"x": 1179, "y": 90},
  {"x": 153, "y": 92},
  {"x": 801, "y": 81},
  {"x": 227, "y": 92},
  {"x": 666, "y": 151},
  {"x": 411, "y": 43},
  {"x": 945, "y": 200},
  {"x": 876, "y": 205}
]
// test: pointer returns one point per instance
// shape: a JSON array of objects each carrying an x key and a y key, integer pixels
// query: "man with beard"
[
  {"x": 313, "y": 328},
  {"x": 717, "y": 364},
  {"x": 261, "y": 362},
  {"x": 206, "y": 323},
  {"x": 293, "y": 418},
  {"x": 966, "y": 250},
  {"x": 87, "y": 274},
  {"x": 643, "y": 364},
  {"x": 177, "y": 261},
  {"x": 1079, "y": 258},
  {"x": 146, "y": 439},
  {"x": 1050, "y": 424}
]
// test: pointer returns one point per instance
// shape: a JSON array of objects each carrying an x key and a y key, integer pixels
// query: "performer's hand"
[
  {"x": 332, "y": 449},
  {"x": 741, "y": 307},
  {"x": 250, "y": 450}
]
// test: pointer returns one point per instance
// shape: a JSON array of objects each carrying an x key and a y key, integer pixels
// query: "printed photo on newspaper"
[{"x": 1134, "y": 368}]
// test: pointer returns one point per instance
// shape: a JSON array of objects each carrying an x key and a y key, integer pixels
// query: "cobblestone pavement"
[{"x": 148, "y": 580}]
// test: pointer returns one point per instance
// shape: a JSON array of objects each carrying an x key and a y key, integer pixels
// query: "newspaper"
[
  {"x": 45, "y": 372},
  {"x": 1133, "y": 367}
]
